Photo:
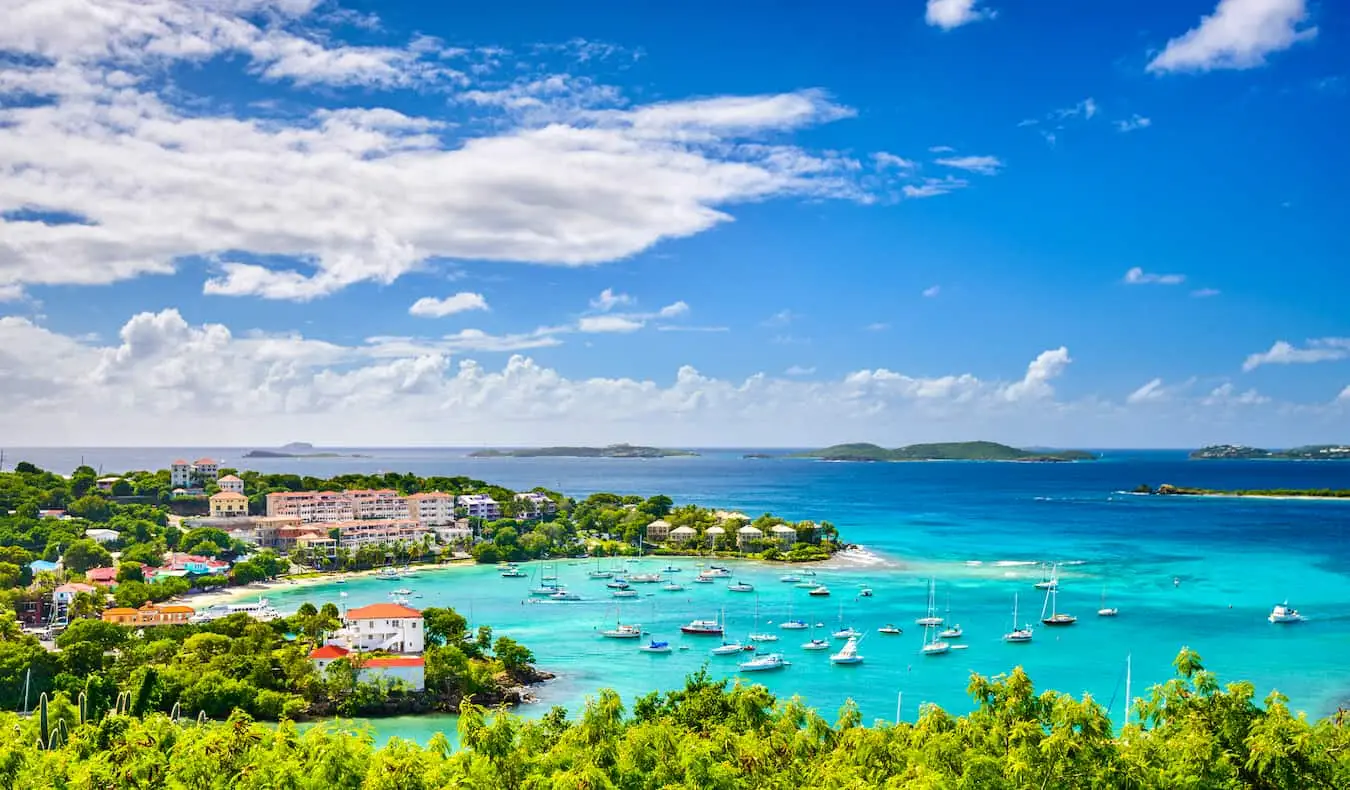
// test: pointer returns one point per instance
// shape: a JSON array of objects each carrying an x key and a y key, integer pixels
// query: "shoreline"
[{"x": 1277, "y": 497}]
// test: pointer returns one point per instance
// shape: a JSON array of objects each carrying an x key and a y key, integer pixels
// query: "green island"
[
  {"x": 1256, "y": 493},
  {"x": 299, "y": 450},
  {"x": 1188, "y": 732},
  {"x": 608, "y": 451},
  {"x": 943, "y": 451},
  {"x": 1312, "y": 452}
]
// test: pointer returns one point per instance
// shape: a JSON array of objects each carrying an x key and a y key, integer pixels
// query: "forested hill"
[{"x": 942, "y": 451}]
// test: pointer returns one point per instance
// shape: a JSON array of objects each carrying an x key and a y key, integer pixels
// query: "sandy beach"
[{"x": 261, "y": 589}]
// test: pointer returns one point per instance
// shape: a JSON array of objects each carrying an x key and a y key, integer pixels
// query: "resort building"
[
  {"x": 103, "y": 536},
  {"x": 228, "y": 504},
  {"x": 389, "y": 627},
  {"x": 747, "y": 536},
  {"x": 432, "y": 508},
  {"x": 148, "y": 615},
  {"x": 319, "y": 543},
  {"x": 179, "y": 563},
  {"x": 352, "y": 534},
  {"x": 683, "y": 535},
  {"x": 311, "y": 506},
  {"x": 378, "y": 503},
  {"x": 231, "y": 483},
  {"x": 460, "y": 531},
  {"x": 479, "y": 506},
  {"x": 410, "y": 670},
  {"x": 658, "y": 531},
  {"x": 785, "y": 534},
  {"x": 105, "y": 484},
  {"x": 534, "y": 504},
  {"x": 714, "y": 534}
]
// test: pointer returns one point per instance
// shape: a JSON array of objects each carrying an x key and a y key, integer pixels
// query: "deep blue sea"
[{"x": 1198, "y": 572}]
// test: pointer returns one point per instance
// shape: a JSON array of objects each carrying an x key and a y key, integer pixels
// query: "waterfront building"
[
  {"x": 714, "y": 534},
  {"x": 747, "y": 536},
  {"x": 103, "y": 536},
  {"x": 378, "y": 504},
  {"x": 389, "y": 627},
  {"x": 479, "y": 506},
  {"x": 534, "y": 504},
  {"x": 411, "y": 670},
  {"x": 683, "y": 535},
  {"x": 148, "y": 615},
  {"x": 228, "y": 504},
  {"x": 785, "y": 534},
  {"x": 353, "y": 534},
  {"x": 432, "y": 508},
  {"x": 319, "y": 543},
  {"x": 658, "y": 531},
  {"x": 311, "y": 506},
  {"x": 231, "y": 483},
  {"x": 461, "y": 530}
]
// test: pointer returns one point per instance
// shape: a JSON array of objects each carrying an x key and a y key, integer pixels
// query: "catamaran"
[
  {"x": 1055, "y": 617},
  {"x": 764, "y": 663},
  {"x": 1284, "y": 613},
  {"x": 931, "y": 618},
  {"x": 848, "y": 654},
  {"x": 1022, "y": 634}
]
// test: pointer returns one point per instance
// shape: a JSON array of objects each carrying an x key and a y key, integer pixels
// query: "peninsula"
[
  {"x": 1256, "y": 493},
  {"x": 608, "y": 451},
  {"x": 942, "y": 451},
  {"x": 298, "y": 450},
  {"x": 1237, "y": 452}
]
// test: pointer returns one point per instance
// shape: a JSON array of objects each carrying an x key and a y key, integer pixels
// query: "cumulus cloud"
[
  {"x": 1035, "y": 385},
  {"x": 431, "y": 307},
  {"x": 1133, "y": 123},
  {"x": 1238, "y": 35},
  {"x": 884, "y": 160},
  {"x": 984, "y": 165},
  {"x": 932, "y": 291},
  {"x": 1227, "y": 395},
  {"x": 298, "y": 205},
  {"x": 1137, "y": 276},
  {"x": 608, "y": 300},
  {"x": 949, "y": 14},
  {"x": 1325, "y": 349},
  {"x": 608, "y": 323}
]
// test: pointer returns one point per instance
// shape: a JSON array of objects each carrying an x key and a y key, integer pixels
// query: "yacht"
[
  {"x": 889, "y": 629},
  {"x": 625, "y": 593},
  {"x": 545, "y": 590},
  {"x": 622, "y": 631},
  {"x": 513, "y": 573},
  {"x": 388, "y": 574},
  {"x": 1055, "y": 617},
  {"x": 655, "y": 647},
  {"x": 563, "y": 595},
  {"x": 794, "y": 625},
  {"x": 672, "y": 587},
  {"x": 764, "y": 663},
  {"x": 645, "y": 578},
  {"x": 806, "y": 585},
  {"x": 931, "y": 618},
  {"x": 1107, "y": 611},
  {"x": 597, "y": 574},
  {"x": 848, "y": 654},
  {"x": 617, "y": 584},
  {"x": 954, "y": 632},
  {"x": 764, "y": 637},
  {"x": 847, "y": 633},
  {"x": 670, "y": 569},
  {"x": 702, "y": 627},
  {"x": 790, "y": 578},
  {"x": 932, "y": 645},
  {"x": 740, "y": 586},
  {"x": 1018, "y": 634},
  {"x": 820, "y": 592},
  {"x": 1050, "y": 582},
  {"x": 865, "y": 592},
  {"x": 402, "y": 592},
  {"x": 1284, "y": 613},
  {"x": 701, "y": 579},
  {"x": 260, "y": 611},
  {"x": 816, "y": 644},
  {"x": 730, "y": 649},
  {"x": 716, "y": 571}
]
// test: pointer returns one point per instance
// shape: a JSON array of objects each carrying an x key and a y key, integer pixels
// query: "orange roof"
[
  {"x": 204, "y": 461},
  {"x": 329, "y": 651},
  {"x": 180, "y": 462},
  {"x": 228, "y": 495},
  {"x": 431, "y": 495},
  {"x": 394, "y": 661},
  {"x": 176, "y": 610},
  {"x": 383, "y": 611},
  {"x": 229, "y": 479},
  {"x": 121, "y": 610}
]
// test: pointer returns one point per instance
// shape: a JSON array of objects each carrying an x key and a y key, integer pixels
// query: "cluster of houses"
[{"x": 747, "y": 537}]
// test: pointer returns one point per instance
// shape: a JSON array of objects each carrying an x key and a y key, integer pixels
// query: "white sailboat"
[
  {"x": 931, "y": 618},
  {"x": 844, "y": 632},
  {"x": 765, "y": 663},
  {"x": 1106, "y": 611},
  {"x": 1018, "y": 634},
  {"x": 953, "y": 631},
  {"x": 1050, "y": 582},
  {"x": 791, "y": 624},
  {"x": 761, "y": 636},
  {"x": 932, "y": 646},
  {"x": 622, "y": 630}
]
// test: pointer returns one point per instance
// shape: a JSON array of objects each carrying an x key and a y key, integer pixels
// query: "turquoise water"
[{"x": 978, "y": 528}]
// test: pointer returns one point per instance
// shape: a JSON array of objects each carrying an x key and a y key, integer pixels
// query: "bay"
[{"x": 1197, "y": 572}]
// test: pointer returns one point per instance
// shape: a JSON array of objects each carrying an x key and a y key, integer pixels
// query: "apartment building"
[
  {"x": 534, "y": 504},
  {"x": 355, "y": 533},
  {"x": 479, "y": 506},
  {"x": 228, "y": 504},
  {"x": 311, "y": 506},
  {"x": 432, "y": 508}
]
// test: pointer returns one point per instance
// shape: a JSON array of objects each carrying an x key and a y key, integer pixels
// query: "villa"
[
  {"x": 658, "y": 530},
  {"x": 195, "y": 475},
  {"x": 411, "y": 670},
  {"x": 785, "y": 534},
  {"x": 104, "y": 576},
  {"x": 231, "y": 483},
  {"x": 103, "y": 536},
  {"x": 746, "y": 536},
  {"x": 63, "y": 596},
  {"x": 228, "y": 504},
  {"x": 479, "y": 506},
  {"x": 535, "y": 504},
  {"x": 382, "y": 627},
  {"x": 148, "y": 615},
  {"x": 683, "y": 535}
]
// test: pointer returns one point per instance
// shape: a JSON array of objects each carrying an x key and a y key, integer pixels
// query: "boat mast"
[{"x": 1128, "y": 701}]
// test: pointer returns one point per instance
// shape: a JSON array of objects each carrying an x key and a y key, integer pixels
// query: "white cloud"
[
  {"x": 949, "y": 14},
  {"x": 674, "y": 310},
  {"x": 884, "y": 160},
  {"x": 11, "y": 292},
  {"x": 608, "y": 323},
  {"x": 297, "y": 206},
  {"x": 941, "y": 149},
  {"x": 1326, "y": 349},
  {"x": 1152, "y": 391},
  {"x": 1205, "y": 293},
  {"x": 608, "y": 300},
  {"x": 984, "y": 165},
  {"x": 781, "y": 318},
  {"x": 878, "y": 326},
  {"x": 798, "y": 370},
  {"x": 932, "y": 291},
  {"x": 1085, "y": 109},
  {"x": 1344, "y": 397},
  {"x": 1035, "y": 385},
  {"x": 932, "y": 187},
  {"x": 431, "y": 307},
  {"x": 1227, "y": 395},
  {"x": 1137, "y": 276},
  {"x": 1134, "y": 122},
  {"x": 1238, "y": 35}
]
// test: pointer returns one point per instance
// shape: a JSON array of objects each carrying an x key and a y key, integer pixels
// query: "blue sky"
[{"x": 1106, "y": 224}]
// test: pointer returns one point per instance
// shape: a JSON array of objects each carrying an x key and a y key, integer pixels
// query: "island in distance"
[
  {"x": 608, "y": 451},
  {"x": 1312, "y": 452},
  {"x": 942, "y": 451},
  {"x": 299, "y": 450}
]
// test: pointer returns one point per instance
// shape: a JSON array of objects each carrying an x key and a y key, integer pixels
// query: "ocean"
[{"x": 1197, "y": 572}]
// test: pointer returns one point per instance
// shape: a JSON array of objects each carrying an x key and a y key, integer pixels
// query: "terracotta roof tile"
[
  {"x": 329, "y": 651},
  {"x": 383, "y": 611}
]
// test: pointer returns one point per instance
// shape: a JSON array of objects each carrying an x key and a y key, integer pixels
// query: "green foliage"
[
  {"x": 130, "y": 572},
  {"x": 85, "y": 554}
]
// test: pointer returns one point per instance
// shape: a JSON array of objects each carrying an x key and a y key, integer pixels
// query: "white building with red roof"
[
  {"x": 411, "y": 670},
  {"x": 231, "y": 483},
  {"x": 193, "y": 475},
  {"x": 389, "y": 627}
]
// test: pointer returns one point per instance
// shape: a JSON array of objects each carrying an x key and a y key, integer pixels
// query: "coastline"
[{"x": 1278, "y": 497}]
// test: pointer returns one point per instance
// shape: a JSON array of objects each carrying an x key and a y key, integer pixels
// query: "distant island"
[
  {"x": 298, "y": 450},
  {"x": 1312, "y": 452},
  {"x": 1255, "y": 493},
  {"x": 943, "y": 451},
  {"x": 608, "y": 451}
]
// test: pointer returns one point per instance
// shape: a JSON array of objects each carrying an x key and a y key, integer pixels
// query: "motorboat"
[
  {"x": 645, "y": 578},
  {"x": 794, "y": 625},
  {"x": 1018, "y": 634},
  {"x": 889, "y": 629},
  {"x": 741, "y": 587},
  {"x": 718, "y": 570},
  {"x": 763, "y": 637},
  {"x": 848, "y": 654},
  {"x": 513, "y": 573},
  {"x": 617, "y": 584},
  {"x": 622, "y": 631},
  {"x": 820, "y": 592},
  {"x": 790, "y": 578},
  {"x": 764, "y": 663},
  {"x": 260, "y": 611},
  {"x": 954, "y": 632},
  {"x": 1284, "y": 613},
  {"x": 702, "y": 627},
  {"x": 847, "y": 633},
  {"x": 563, "y": 595},
  {"x": 672, "y": 587},
  {"x": 816, "y": 644},
  {"x": 402, "y": 591},
  {"x": 655, "y": 647},
  {"x": 865, "y": 592},
  {"x": 625, "y": 593},
  {"x": 701, "y": 579},
  {"x": 388, "y": 574},
  {"x": 730, "y": 649}
]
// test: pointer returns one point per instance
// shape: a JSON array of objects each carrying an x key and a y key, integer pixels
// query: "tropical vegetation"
[
  {"x": 1188, "y": 733},
  {"x": 1311, "y": 493}
]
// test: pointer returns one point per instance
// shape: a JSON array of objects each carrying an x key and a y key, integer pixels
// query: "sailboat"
[
  {"x": 954, "y": 631},
  {"x": 815, "y": 643},
  {"x": 1106, "y": 611},
  {"x": 1050, "y": 582},
  {"x": 931, "y": 618},
  {"x": 704, "y": 627},
  {"x": 844, "y": 633},
  {"x": 1055, "y": 617},
  {"x": 622, "y": 630},
  {"x": 598, "y": 573},
  {"x": 761, "y": 636},
  {"x": 793, "y": 625},
  {"x": 1022, "y": 634},
  {"x": 932, "y": 646}
]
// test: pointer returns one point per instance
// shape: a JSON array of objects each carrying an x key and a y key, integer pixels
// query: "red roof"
[
  {"x": 180, "y": 462},
  {"x": 394, "y": 661},
  {"x": 101, "y": 574},
  {"x": 205, "y": 461},
  {"x": 330, "y": 651},
  {"x": 383, "y": 611}
]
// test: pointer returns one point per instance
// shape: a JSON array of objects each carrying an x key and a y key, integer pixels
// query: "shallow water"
[{"x": 972, "y": 526}]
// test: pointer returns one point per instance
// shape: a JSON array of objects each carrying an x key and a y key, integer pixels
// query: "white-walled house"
[
  {"x": 411, "y": 670},
  {"x": 102, "y": 536},
  {"x": 432, "y": 508},
  {"x": 389, "y": 627},
  {"x": 479, "y": 506},
  {"x": 231, "y": 483}
]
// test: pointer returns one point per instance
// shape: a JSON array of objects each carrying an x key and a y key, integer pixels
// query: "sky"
[{"x": 247, "y": 222}]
